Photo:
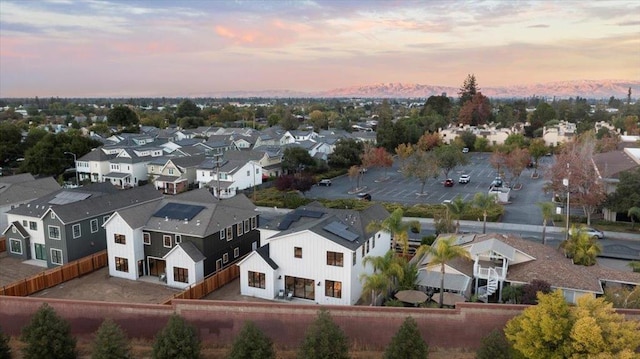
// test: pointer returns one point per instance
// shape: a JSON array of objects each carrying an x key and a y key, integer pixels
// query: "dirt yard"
[
  {"x": 99, "y": 286},
  {"x": 12, "y": 269}
]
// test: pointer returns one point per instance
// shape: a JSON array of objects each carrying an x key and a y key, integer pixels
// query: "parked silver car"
[{"x": 592, "y": 232}]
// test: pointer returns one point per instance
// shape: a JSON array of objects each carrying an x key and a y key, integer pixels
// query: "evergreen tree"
[
  {"x": 324, "y": 340},
  {"x": 110, "y": 342},
  {"x": 177, "y": 340},
  {"x": 252, "y": 343},
  {"x": 407, "y": 343},
  {"x": 48, "y": 336},
  {"x": 495, "y": 346},
  {"x": 5, "y": 350},
  {"x": 468, "y": 90}
]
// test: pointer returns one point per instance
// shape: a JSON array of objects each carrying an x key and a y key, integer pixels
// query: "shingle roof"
[
  {"x": 192, "y": 251},
  {"x": 264, "y": 253},
  {"x": 17, "y": 192},
  {"x": 610, "y": 164}
]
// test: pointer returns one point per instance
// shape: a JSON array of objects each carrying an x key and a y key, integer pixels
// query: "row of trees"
[{"x": 49, "y": 336}]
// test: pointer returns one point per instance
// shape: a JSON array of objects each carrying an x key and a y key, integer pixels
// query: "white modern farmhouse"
[{"x": 314, "y": 253}]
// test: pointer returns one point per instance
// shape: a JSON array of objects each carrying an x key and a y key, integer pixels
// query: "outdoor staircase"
[{"x": 486, "y": 291}]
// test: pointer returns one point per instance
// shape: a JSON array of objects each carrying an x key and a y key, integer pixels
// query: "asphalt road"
[{"x": 391, "y": 186}]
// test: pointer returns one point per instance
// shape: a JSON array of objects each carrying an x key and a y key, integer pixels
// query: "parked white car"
[
  {"x": 592, "y": 232},
  {"x": 464, "y": 179}
]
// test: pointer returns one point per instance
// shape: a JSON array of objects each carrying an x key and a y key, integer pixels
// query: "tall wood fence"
[
  {"x": 211, "y": 283},
  {"x": 54, "y": 276},
  {"x": 3, "y": 244}
]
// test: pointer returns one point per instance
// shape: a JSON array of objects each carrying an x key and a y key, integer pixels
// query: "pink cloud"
[
  {"x": 16, "y": 48},
  {"x": 138, "y": 47},
  {"x": 274, "y": 34}
]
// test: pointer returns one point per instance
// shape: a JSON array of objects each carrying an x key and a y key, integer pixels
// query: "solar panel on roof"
[
  {"x": 341, "y": 230},
  {"x": 66, "y": 197},
  {"x": 179, "y": 211},
  {"x": 284, "y": 224}
]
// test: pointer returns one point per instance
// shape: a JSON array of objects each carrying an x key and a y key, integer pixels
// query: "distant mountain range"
[{"x": 599, "y": 89}]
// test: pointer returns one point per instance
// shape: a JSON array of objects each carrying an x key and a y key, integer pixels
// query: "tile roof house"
[
  {"x": 181, "y": 239},
  {"x": 499, "y": 260},
  {"x": 66, "y": 225},
  {"x": 314, "y": 254},
  {"x": 20, "y": 189}
]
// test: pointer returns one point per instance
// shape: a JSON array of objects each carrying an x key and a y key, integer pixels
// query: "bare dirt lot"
[
  {"x": 12, "y": 269},
  {"x": 99, "y": 286}
]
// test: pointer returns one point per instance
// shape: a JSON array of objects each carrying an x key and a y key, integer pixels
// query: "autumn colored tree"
[
  {"x": 319, "y": 120},
  {"x": 429, "y": 141},
  {"x": 403, "y": 151},
  {"x": 498, "y": 159},
  {"x": 376, "y": 157},
  {"x": 421, "y": 165},
  {"x": 516, "y": 161},
  {"x": 575, "y": 162},
  {"x": 529, "y": 294},
  {"x": 476, "y": 112}
]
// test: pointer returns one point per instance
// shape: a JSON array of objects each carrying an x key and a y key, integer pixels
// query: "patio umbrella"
[
  {"x": 411, "y": 296},
  {"x": 449, "y": 299}
]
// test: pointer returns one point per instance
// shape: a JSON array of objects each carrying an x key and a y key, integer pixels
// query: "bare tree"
[{"x": 516, "y": 161}]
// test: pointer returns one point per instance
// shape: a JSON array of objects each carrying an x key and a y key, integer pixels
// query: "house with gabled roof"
[
  {"x": 66, "y": 225},
  {"x": 181, "y": 239},
  {"x": 21, "y": 189},
  {"x": 315, "y": 254},
  {"x": 498, "y": 260},
  {"x": 175, "y": 174},
  {"x": 225, "y": 177},
  {"x": 609, "y": 166}
]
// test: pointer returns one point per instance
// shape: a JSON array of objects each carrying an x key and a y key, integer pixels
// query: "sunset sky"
[{"x": 190, "y": 48}]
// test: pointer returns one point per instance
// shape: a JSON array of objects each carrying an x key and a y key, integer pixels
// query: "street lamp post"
[
  {"x": 565, "y": 182},
  {"x": 75, "y": 166}
]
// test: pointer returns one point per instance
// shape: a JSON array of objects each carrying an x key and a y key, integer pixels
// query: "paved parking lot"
[{"x": 397, "y": 188}]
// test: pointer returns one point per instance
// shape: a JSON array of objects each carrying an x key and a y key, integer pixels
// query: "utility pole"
[
  {"x": 565, "y": 181},
  {"x": 217, "y": 159}
]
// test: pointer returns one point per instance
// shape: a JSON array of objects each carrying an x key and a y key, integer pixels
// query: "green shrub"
[
  {"x": 393, "y": 303},
  {"x": 324, "y": 340},
  {"x": 407, "y": 343},
  {"x": 252, "y": 343},
  {"x": 5, "y": 350},
  {"x": 177, "y": 339},
  {"x": 48, "y": 336},
  {"x": 110, "y": 342},
  {"x": 494, "y": 346}
]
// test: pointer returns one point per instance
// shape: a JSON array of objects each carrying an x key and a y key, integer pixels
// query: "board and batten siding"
[
  {"x": 313, "y": 264},
  {"x": 35, "y": 237},
  {"x": 255, "y": 263},
  {"x": 179, "y": 258},
  {"x": 382, "y": 246},
  {"x": 132, "y": 250}
]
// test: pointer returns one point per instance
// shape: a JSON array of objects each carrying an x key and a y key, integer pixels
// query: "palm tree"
[
  {"x": 633, "y": 212},
  {"x": 388, "y": 265},
  {"x": 374, "y": 283},
  {"x": 547, "y": 214},
  {"x": 440, "y": 253},
  {"x": 396, "y": 227},
  {"x": 457, "y": 208},
  {"x": 582, "y": 248},
  {"x": 484, "y": 202}
]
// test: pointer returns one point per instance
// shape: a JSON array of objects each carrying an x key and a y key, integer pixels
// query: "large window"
[
  {"x": 332, "y": 289},
  {"x": 120, "y": 238},
  {"x": 94, "y": 225},
  {"x": 334, "y": 259},
  {"x": 181, "y": 274},
  {"x": 15, "y": 246},
  {"x": 253, "y": 222},
  {"x": 297, "y": 252},
  {"x": 33, "y": 226},
  {"x": 76, "y": 230},
  {"x": 246, "y": 225},
  {"x": 54, "y": 232},
  {"x": 301, "y": 287},
  {"x": 56, "y": 256},
  {"x": 256, "y": 280},
  {"x": 146, "y": 238},
  {"x": 122, "y": 264},
  {"x": 166, "y": 241}
]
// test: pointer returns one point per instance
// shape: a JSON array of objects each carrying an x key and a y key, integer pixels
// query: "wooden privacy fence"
[
  {"x": 54, "y": 276},
  {"x": 3, "y": 244},
  {"x": 208, "y": 285}
]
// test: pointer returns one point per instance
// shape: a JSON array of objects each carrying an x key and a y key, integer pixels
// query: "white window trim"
[
  {"x": 164, "y": 243},
  {"x": 246, "y": 226},
  {"x": 95, "y": 220},
  {"x": 49, "y": 232},
  {"x": 239, "y": 228},
  {"x": 53, "y": 215},
  {"x": 225, "y": 258},
  {"x": 11, "y": 247},
  {"x": 51, "y": 256},
  {"x": 178, "y": 238},
  {"x": 145, "y": 236},
  {"x": 104, "y": 219},
  {"x": 236, "y": 252},
  {"x": 73, "y": 230},
  {"x": 222, "y": 233}
]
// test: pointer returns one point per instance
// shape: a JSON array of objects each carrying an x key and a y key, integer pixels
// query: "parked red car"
[{"x": 448, "y": 182}]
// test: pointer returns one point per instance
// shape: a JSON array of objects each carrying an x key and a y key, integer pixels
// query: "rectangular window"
[
  {"x": 181, "y": 274},
  {"x": 166, "y": 241},
  {"x": 24, "y": 222},
  {"x": 236, "y": 252},
  {"x": 253, "y": 222},
  {"x": 229, "y": 233},
  {"x": 15, "y": 246},
  {"x": 239, "y": 229},
  {"x": 33, "y": 226},
  {"x": 334, "y": 259},
  {"x": 332, "y": 289},
  {"x": 76, "y": 230},
  {"x": 94, "y": 225},
  {"x": 257, "y": 280},
  {"x": 120, "y": 238},
  {"x": 105, "y": 219},
  {"x": 225, "y": 258},
  {"x": 146, "y": 238},
  {"x": 297, "y": 252},
  {"x": 14, "y": 230},
  {"x": 222, "y": 232},
  {"x": 248, "y": 173},
  {"x": 218, "y": 264},
  {"x": 362, "y": 251},
  {"x": 122, "y": 264},
  {"x": 354, "y": 258},
  {"x": 367, "y": 246},
  {"x": 170, "y": 171},
  {"x": 56, "y": 256},
  {"x": 54, "y": 232},
  {"x": 53, "y": 215},
  {"x": 178, "y": 238},
  {"x": 246, "y": 226},
  {"x": 373, "y": 242}
]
